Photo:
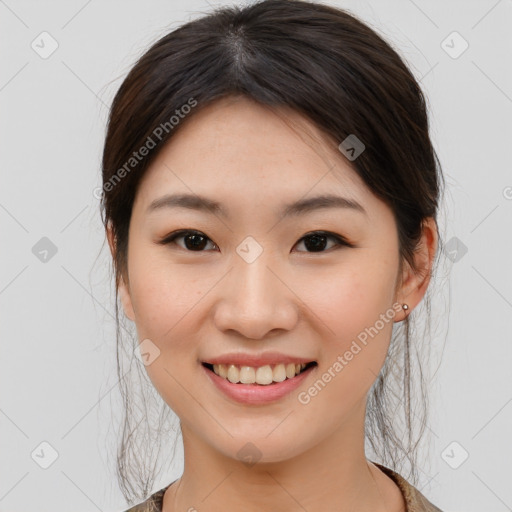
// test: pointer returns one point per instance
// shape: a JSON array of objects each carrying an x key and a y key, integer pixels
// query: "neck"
[{"x": 332, "y": 475}]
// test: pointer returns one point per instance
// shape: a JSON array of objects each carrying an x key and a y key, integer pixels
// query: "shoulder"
[
  {"x": 413, "y": 498},
  {"x": 151, "y": 504}
]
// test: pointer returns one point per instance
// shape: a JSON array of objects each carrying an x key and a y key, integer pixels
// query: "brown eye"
[
  {"x": 317, "y": 241},
  {"x": 193, "y": 240},
  {"x": 196, "y": 241}
]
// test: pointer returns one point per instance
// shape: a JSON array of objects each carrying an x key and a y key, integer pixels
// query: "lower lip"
[{"x": 257, "y": 393}]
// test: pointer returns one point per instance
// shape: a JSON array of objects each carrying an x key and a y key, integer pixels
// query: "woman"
[{"x": 270, "y": 194}]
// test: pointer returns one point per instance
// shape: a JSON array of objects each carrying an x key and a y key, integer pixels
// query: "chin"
[{"x": 259, "y": 448}]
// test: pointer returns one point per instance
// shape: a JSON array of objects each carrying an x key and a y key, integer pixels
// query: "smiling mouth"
[{"x": 262, "y": 376}]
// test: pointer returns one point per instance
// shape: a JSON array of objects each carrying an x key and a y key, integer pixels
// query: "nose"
[{"x": 255, "y": 300}]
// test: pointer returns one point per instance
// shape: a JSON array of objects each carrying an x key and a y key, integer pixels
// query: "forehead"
[{"x": 237, "y": 147}]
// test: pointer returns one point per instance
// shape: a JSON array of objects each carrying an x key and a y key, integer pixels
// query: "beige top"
[{"x": 414, "y": 500}]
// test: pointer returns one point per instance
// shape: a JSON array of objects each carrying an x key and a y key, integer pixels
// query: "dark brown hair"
[{"x": 338, "y": 73}]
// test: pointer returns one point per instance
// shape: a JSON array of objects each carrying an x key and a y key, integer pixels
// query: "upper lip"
[{"x": 270, "y": 358}]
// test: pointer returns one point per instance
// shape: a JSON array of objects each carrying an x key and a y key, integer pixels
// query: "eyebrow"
[{"x": 300, "y": 207}]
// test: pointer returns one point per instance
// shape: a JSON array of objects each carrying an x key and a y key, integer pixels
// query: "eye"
[
  {"x": 196, "y": 241},
  {"x": 316, "y": 241}
]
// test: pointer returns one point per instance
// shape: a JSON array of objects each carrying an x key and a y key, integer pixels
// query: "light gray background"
[{"x": 58, "y": 376}]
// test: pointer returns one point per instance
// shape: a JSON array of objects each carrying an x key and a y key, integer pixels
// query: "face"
[{"x": 251, "y": 280}]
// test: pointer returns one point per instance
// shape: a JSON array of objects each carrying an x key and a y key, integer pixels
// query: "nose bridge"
[{"x": 251, "y": 271}]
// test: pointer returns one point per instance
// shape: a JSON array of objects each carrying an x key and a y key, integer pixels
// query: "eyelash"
[{"x": 341, "y": 241}]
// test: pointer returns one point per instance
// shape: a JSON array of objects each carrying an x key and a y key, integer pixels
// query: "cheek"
[
  {"x": 354, "y": 306},
  {"x": 167, "y": 304},
  {"x": 351, "y": 297},
  {"x": 163, "y": 295}
]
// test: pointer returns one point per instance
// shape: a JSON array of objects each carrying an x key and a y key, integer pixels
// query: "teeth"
[{"x": 261, "y": 375}]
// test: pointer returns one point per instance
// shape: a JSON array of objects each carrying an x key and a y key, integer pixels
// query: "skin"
[{"x": 198, "y": 304}]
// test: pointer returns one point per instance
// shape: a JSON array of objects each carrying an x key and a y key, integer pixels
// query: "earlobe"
[
  {"x": 126, "y": 300},
  {"x": 111, "y": 241},
  {"x": 415, "y": 283},
  {"x": 123, "y": 290}
]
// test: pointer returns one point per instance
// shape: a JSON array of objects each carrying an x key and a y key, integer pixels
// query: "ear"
[
  {"x": 124, "y": 288},
  {"x": 414, "y": 284}
]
